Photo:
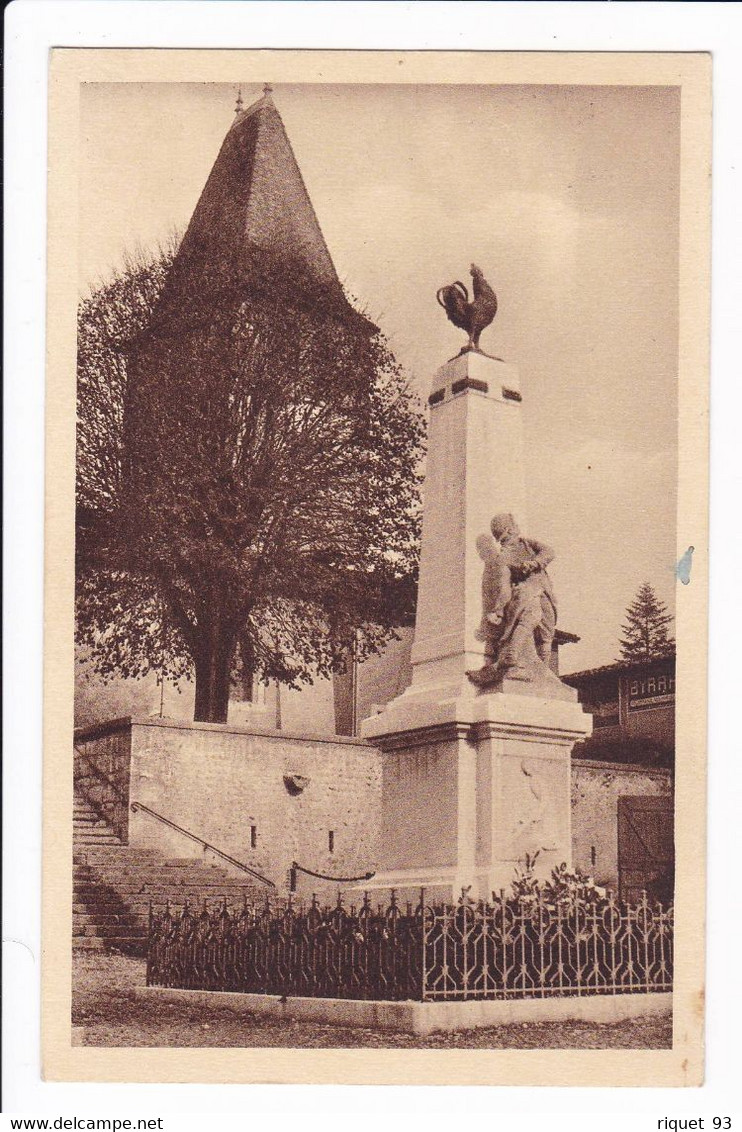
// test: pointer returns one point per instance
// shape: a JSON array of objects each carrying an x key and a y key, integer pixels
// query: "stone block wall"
[
  {"x": 309, "y": 708},
  {"x": 264, "y": 797},
  {"x": 270, "y": 797},
  {"x": 596, "y": 788}
]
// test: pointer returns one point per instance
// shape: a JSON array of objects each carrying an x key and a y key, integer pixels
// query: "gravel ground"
[{"x": 106, "y": 1013}]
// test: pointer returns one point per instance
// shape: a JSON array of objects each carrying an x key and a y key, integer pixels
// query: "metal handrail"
[{"x": 200, "y": 841}]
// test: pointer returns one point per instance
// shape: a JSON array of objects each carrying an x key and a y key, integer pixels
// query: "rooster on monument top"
[{"x": 472, "y": 316}]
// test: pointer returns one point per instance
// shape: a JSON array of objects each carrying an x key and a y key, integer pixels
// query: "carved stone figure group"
[{"x": 520, "y": 613}]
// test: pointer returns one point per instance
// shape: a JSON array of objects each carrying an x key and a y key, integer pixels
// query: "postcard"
[{"x": 376, "y": 567}]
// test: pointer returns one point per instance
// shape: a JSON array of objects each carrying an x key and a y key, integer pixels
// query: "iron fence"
[
  {"x": 290, "y": 949},
  {"x": 530, "y": 948},
  {"x": 509, "y": 948}
]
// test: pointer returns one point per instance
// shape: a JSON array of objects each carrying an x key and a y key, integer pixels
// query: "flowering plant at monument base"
[
  {"x": 564, "y": 884},
  {"x": 560, "y": 939}
]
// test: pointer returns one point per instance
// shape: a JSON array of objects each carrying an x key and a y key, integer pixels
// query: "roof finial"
[
  {"x": 267, "y": 88},
  {"x": 239, "y": 104}
]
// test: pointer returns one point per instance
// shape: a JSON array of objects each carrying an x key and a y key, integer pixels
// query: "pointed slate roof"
[{"x": 254, "y": 200}]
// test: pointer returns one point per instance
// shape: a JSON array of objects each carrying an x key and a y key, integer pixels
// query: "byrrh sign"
[{"x": 652, "y": 689}]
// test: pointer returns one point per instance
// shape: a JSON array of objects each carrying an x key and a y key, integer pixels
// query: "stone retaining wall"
[
  {"x": 268, "y": 797},
  {"x": 264, "y": 797}
]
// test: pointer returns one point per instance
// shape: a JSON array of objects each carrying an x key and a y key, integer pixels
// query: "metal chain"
[{"x": 296, "y": 867}]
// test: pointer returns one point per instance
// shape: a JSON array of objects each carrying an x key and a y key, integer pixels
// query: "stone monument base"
[
  {"x": 418, "y": 1017},
  {"x": 473, "y": 788}
]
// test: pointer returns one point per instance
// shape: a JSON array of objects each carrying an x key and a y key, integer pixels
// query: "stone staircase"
[
  {"x": 114, "y": 884},
  {"x": 87, "y": 827}
]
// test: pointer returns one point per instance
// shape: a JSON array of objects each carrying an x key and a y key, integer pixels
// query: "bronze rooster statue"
[{"x": 474, "y": 316}]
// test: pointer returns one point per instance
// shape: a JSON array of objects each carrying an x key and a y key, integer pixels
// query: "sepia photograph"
[{"x": 363, "y": 733}]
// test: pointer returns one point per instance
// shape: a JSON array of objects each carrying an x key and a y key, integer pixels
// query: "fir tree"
[{"x": 646, "y": 628}]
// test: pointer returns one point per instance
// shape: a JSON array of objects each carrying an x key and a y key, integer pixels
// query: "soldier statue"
[{"x": 520, "y": 609}]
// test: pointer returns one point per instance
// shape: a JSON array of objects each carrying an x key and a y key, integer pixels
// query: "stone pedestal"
[
  {"x": 470, "y": 788},
  {"x": 472, "y": 782}
]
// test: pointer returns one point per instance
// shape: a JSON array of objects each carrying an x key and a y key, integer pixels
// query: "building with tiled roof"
[{"x": 633, "y": 708}]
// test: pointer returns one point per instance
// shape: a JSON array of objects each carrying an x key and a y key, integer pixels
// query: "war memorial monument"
[
  {"x": 418, "y": 826},
  {"x": 476, "y": 766}
]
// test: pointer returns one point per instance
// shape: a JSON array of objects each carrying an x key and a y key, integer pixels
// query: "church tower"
[
  {"x": 255, "y": 200},
  {"x": 254, "y": 209},
  {"x": 250, "y": 301}
]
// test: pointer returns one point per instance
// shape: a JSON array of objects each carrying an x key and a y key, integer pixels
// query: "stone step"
[
  {"x": 84, "y": 833},
  {"x": 110, "y": 864},
  {"x": 113, "y": 931},
  {"x": 96, "y": 841},
  {"x": 90, "y": 918},
  {"x": 137, "y": 929},
  {"x": 100, "y": 842},
  {"x": 95, "y": 895},
  {"x": 95, "y": 855},
  {"x": 139, "y": 905},
  {"x": 89, "y": 826},
  {"x": 134, "y": 945},
  {"x": 181, "y": 875},
  {"x": 110, "y": 909},
  {"x": 88, "y": 943},
  {"x": 115, "y": 886},
  {"x": 153, "y": 884},
  {"x": 134, "y": 913},
  {"x": 93, "y": 830},
  {"x": 113, "y": 910},
  {"x": 140, "y": 908},
  {"x": 134, "y": 885},
  {"x": 178, "y": 862},
  {"x": 92, "y": 886},
  {"x": 170, "y": 868},
  {"x": 131, "y": 873},
  {"x": 150, "y": 875},
  {"x": 140, "y": 911}
]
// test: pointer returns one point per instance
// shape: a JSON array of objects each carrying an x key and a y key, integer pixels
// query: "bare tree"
[{"x": 247, "y": 479}]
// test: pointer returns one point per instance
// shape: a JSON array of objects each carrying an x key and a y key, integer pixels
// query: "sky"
[{"x": 567, "y": 197}]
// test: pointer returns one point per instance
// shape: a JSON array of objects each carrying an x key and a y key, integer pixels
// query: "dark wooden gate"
[{"x": 646, "y": 848}]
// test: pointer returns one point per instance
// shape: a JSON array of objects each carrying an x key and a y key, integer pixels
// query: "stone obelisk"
[
  {"x": 474, "y": 780},
  {"x": 474, "y": 470}
]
